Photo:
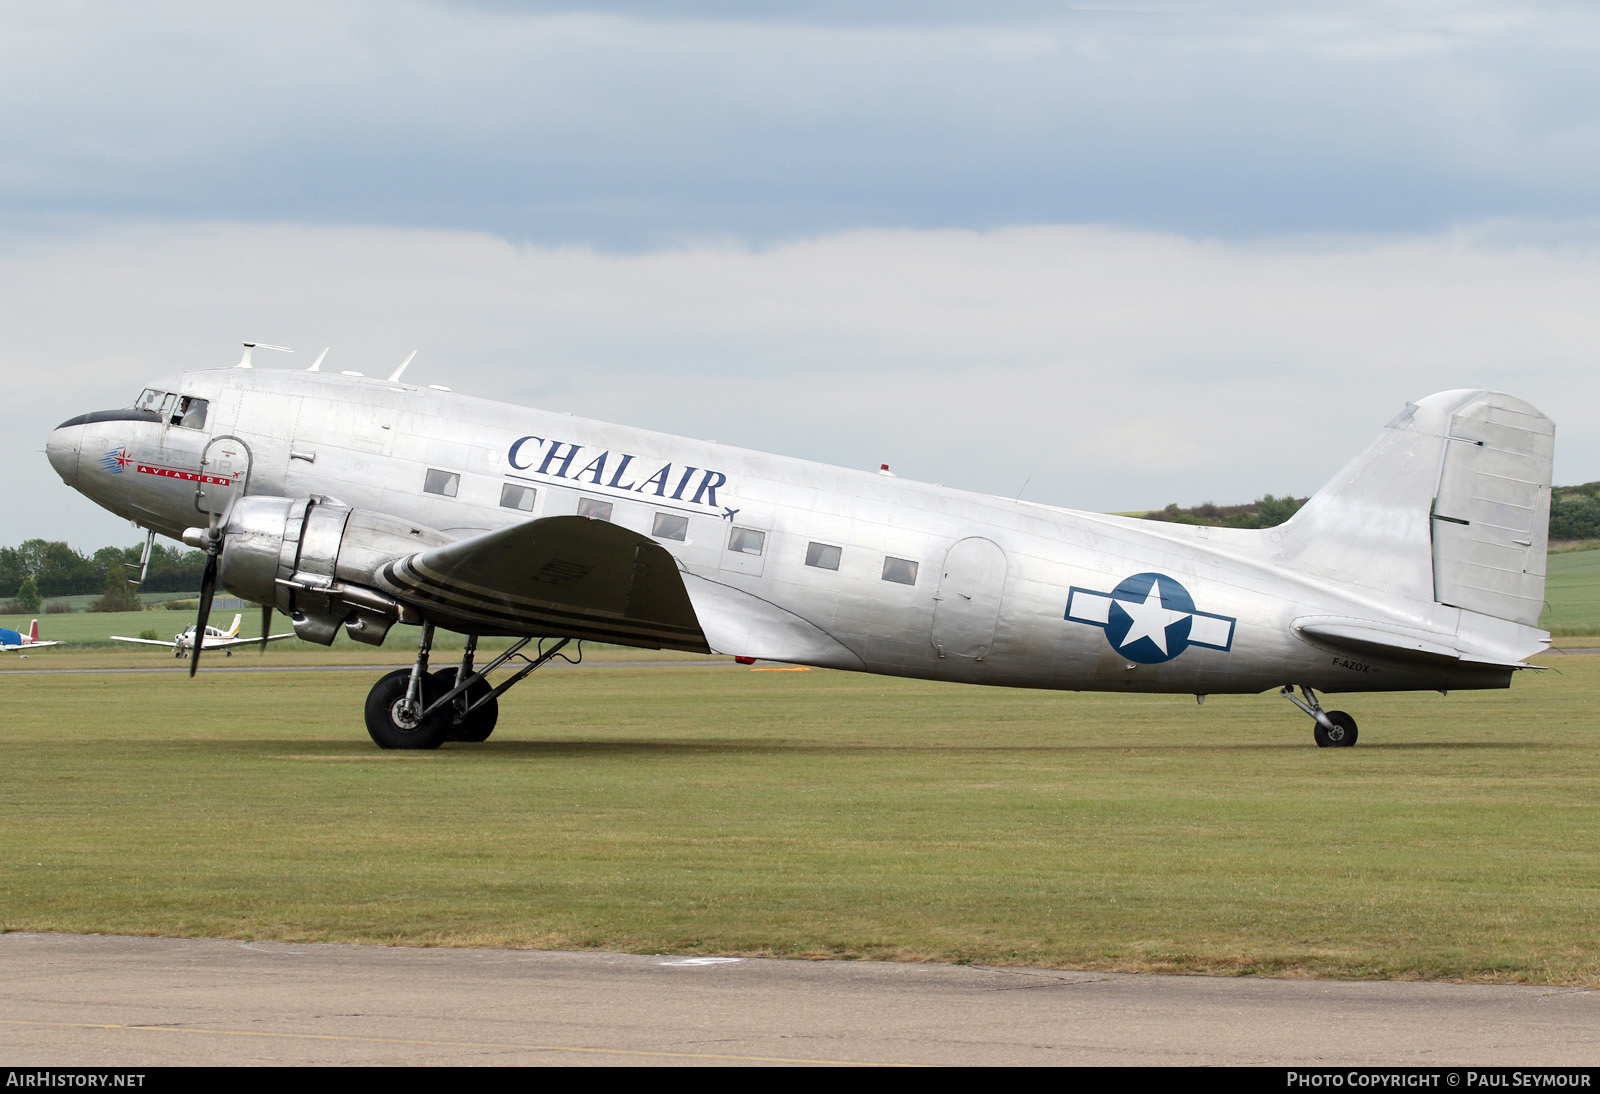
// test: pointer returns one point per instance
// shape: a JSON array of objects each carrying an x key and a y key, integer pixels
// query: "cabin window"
[
  {"x": 746, "y": 541},
  {"x": 824, "y": 556},
  {"x": 594, "y": 508},
  {"x": 513, "y": 496},
  {"x": 902, "y": 570},
  {"x": 670, "y": 526},
  {"x": 442, "y": 482}
]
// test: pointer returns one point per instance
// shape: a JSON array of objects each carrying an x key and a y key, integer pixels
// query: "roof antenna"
[
  {"x": 244, "y": 362},
  {"x": 317, "y": 364},
  {"x": 395, "y": 375}
]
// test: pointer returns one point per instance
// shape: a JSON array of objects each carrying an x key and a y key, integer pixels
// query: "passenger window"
[
  {"x": 746, "y": 541},
  {"x": 824, "y": 556},
  {"x": 594, "y": 508},
  {"x": 513, "y": 496},
  {"x": 902, "y": 570},
  {"x": 442, "y": 482},
  {"x": 670, "y": 526}
]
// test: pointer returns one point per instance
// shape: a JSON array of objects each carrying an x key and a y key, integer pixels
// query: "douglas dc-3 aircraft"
[
  {"x": 354, "y": 503},
  {"x": 215, "y": 638}
]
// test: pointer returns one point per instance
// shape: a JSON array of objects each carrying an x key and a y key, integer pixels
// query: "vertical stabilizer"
[{"x": 1451, "y": 503}]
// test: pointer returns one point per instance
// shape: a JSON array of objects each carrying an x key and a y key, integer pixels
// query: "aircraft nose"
[{"x": 62, "y": 448}]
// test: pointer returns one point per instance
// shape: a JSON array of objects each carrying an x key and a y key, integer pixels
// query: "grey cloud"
[{"x": 610, "y": 128}]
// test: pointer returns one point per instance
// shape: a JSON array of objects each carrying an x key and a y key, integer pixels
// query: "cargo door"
[{"x": 967, "y": 605}]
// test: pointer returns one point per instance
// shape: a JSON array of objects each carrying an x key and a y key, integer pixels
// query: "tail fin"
[
  {"x": 1451, "y": 503},
  {"x": 33, "y": 632},
  {"x": 233, "y": 631}
]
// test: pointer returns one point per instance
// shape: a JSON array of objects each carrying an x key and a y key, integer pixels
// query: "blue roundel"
[{"x": 1150, "y": 618}]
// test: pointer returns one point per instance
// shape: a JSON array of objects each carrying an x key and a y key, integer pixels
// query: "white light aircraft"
[
  {"x": 215, "y": 639},
  {"x": 11, "y": 640},
  {"x": 353, "y": 503}
]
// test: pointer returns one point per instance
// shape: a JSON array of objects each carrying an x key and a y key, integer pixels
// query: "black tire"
[
  {"x": 475, "y": 727},
  {"x": 1343, "y": 734},
  {"x": 382, "y": 725}
]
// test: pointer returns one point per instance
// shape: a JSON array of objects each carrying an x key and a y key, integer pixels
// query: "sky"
[{"x": 1107, "y": 256}]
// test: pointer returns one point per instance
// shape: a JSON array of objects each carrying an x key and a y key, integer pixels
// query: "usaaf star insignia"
[{"x": 1150, "y": 618}]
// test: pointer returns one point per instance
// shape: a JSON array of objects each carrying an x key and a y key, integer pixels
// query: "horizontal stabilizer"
[
  {"x": 1503, "y": 645},
  {"x": 1376, "y": 638}
]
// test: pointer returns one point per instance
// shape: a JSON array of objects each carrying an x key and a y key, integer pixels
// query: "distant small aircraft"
[
  {"x": 353, "y": 503},
  {"x": 216, "y": 639},
  {"x": 13, "y": 640}
]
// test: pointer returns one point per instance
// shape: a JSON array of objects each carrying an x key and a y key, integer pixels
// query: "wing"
[
  {"x": 223, "y": 643},
  {"x": 144, "y": 641},
  {"x": 566, "y": 576}
]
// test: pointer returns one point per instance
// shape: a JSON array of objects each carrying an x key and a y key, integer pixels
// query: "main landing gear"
[
  {"x": 1334, "y": 728},
  {"x": 413, "y": 708}
]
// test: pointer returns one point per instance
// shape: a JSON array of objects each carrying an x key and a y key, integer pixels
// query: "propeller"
[
  {"x": 210, "y": 541},
  {"x": 266, "y": 625}
]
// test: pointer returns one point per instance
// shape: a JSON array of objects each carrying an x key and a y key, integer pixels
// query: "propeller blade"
[
  {"x": 208, "y": 586},
  {"x": 266, "y": 625}
]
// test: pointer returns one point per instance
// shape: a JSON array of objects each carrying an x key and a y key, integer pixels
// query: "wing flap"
[{"x": 558, "y": 576}]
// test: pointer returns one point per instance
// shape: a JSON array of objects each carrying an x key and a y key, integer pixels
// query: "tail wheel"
[
  {"x": 395, "y": 723},
  {"x": 476, "y": 726},
  {"x": 1342, "y": 735}
]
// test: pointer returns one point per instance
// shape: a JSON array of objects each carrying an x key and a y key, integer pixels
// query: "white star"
[{"x": 1150, "y": 618}]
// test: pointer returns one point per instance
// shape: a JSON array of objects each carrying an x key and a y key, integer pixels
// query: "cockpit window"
[
  {"x": 191, "y": 412},
  {"x": 151, "y": 399},
  {"x": 186, "y": 411}
]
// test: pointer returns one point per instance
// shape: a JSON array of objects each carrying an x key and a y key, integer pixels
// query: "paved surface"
[{"x": 108, "y": 1001}]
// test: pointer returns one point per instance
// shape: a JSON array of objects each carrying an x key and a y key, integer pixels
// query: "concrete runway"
[{"x": 130, "y": 1002}]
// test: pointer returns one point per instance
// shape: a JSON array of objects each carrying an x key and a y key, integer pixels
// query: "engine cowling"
[{"x": 313, "y": 559}]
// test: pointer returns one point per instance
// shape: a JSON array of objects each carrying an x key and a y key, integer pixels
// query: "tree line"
[
  {"x": 42, "y": 568},
  {"x": 1574, "y": 512}
]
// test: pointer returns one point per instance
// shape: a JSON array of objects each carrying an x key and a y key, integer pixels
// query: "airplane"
[
  {"x": 215, "y": 638},
  {"x": 11, "y": 640},
  {"x": 353, "y": 503}
]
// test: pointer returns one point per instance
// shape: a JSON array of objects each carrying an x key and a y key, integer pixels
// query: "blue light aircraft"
[{"x": 11, "y": 641}]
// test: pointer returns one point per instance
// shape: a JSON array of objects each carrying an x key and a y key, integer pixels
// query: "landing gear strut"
[
  {"x": 413, "y": 708},
  {"x": 1333, "y": 729},
  {"x": 401, "y": 707}
]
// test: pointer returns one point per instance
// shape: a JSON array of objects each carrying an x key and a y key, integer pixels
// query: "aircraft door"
[
  {"x": 967, "y": 605},
  {"x": 224, "y": 473}
]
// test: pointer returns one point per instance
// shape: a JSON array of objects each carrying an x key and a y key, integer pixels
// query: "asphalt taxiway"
[{"x": 106, "y": 1001}]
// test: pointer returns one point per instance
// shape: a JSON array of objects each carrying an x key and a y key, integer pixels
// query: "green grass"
[
  {"x": 1572, "y": 593},
  {"x": 720, "y": 810}
]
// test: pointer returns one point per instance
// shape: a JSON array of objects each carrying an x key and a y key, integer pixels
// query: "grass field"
[
  {"x": 723, "y": 810},
  {"x": 1572, "y": 593}
]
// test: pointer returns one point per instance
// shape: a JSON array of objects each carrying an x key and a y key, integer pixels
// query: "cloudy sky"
[{"x": 1112, "y": 255}]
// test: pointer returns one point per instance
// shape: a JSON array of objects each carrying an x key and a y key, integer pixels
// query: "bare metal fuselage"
[{"x": 1003, "y": 592}]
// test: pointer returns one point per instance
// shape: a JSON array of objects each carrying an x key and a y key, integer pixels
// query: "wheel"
[
  {"x": 1342, "y": 735},
  {"x": 477, "y": 726},
  {"x": 392, "y": 726}
]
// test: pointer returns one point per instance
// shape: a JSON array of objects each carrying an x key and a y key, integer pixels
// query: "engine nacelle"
[{"x": 313, "y": 559}]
